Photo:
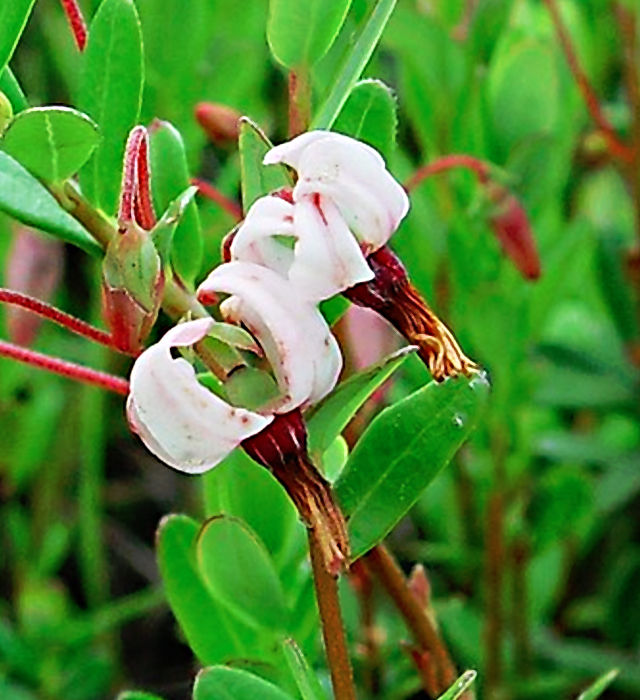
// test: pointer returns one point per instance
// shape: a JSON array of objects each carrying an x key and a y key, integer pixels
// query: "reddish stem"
[
  {"x": 479, "y": 167},
  {"x": 75, "y": 325},
  {"x": 616, "y": 146},
  {"x": 220, "y": 199},
  {"x": 76, "y": 22},
  {"x": 65, "y": 368},
  {"x": 299, "y": 102}
]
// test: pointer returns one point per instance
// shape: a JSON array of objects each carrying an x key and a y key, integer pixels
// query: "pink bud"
[
  {"x": 511, "y": 227},
  {"x": 219, "y": 122},
  {"x": 34, "y": 267}
]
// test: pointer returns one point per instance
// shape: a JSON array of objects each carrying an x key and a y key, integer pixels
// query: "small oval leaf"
[
  {"x": 239, "y": 572},
  {"x": 300, "y": 32},
  {"x": 52, "y": 143},
  {"x": 400, "y": 453},
  {"x": 222, "y": 683}
]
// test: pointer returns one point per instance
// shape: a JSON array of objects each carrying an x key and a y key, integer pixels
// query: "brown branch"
[{"x": 617, "y": 147}]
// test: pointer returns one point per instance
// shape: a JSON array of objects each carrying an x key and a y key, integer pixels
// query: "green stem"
[{"x": 335, "y": 643}]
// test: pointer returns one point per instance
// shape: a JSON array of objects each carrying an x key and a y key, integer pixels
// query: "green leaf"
[
  {"x": 164, "y": 231},
  {"x": 111, "y": 93},
  {"x": 170, "y": 177},
  {"x": 11, "y": 88},
  {"x": 330, "y": 417},
  {"x": 52, "y": 143},
  {"x": 222, "y": 683},
  {"x": 28, "y": 201},
  {"x": 599, "y": 686},
  {"x": 252, "y": 388},
  {"x": 400, "y": 453},
  {"x": 354, "y": 64},
  {"x": 300, "y": 32},
  {"x": 370, "y": 116},
  {"x": 239, "y": 572},
  {"x": 188, "y": 597},
  {"x": 257, "y": 179},
  {"x": 239, "y": 486},
  {"x": 455, "y": 691},
  {"x": 304, "y": 676},
  {"x": 137, "y": 695},
  {"x": 13, "y": 19}
]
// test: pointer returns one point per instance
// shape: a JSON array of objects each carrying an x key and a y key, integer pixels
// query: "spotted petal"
[
  {"x": 179, "y": 420},
  {"x": 295, "y": 337}
]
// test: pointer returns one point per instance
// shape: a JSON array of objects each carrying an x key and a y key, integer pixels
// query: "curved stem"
[
  {"x": 71, "y": 323},
  {"x": 220, "y": 199},
  {"x": 65, "y": 368},
  {"x": 335, "y": 643},
  {"x": 76, "y": 22},
  {"x": 479, "y": 167}
]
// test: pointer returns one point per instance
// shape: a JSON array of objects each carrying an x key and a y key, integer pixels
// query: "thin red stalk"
[
  {"x": 126, "y": 212},
  {"x": 76, "y": 22},
  {"x": 65, "y": 368},
  {"x": 220, "y": 199},
  {"x": 75, "y": 325},
  {"x": 480, "y": 168},
  {"x": 616, "y": 146}
]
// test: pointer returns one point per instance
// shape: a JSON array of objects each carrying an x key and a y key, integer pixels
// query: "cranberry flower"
[
  {"x": 192, "y": 429},
  {"x": 344, "y": 206}
]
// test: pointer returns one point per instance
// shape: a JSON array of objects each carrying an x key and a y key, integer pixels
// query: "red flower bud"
[
  {"x": 219, "y": 122},
  {"x": 510, "y": 224},
  {"x": 281, "y": 447}
]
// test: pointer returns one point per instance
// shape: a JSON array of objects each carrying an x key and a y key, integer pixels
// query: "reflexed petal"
[
  {"x": 328, "y": 258},
  {"x": 254, "y": 240},
  {"x": 179, "y": 420},
  {"x": 295, "y": 337}
]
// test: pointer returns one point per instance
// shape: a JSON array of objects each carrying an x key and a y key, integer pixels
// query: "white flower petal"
[
  {"x": 290, "y": 152},
  {"x": 254, "y": 240},
  {"x": 179, "y": 420},
  {"x": 293, "y": 334},
  {"x": 354, "y": 176},
  {"x": 327, "y": 259}
]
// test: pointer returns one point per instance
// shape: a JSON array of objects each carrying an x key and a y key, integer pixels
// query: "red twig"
[
  {"x": 65, "y": 368},
  {"x": 75, "y": 325},
  {"x": 480, "y": 168},
  {"x": 616, "y": 146},
  {"x": 220, "y": 199},
  {"x": 76, "y": 22}
]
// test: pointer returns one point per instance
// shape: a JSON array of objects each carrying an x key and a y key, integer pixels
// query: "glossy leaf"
[
  {"x": 354, "y": 64},
  {"x": 330, "y": 417},
  {"x": 460, "y": 686},
  {"x": 596, "y": 689},
  {"x": 163, "y": 232},
  {"x": 300, "y": 32},
  {"x": 239, "y": 572},
  {"x": 370, "y": 116},
  {"x": 400, "y": 453},
  {"x": 52, "y": 143},
  {"x": 13, "y": 19},
  {"x": 240, "y": 487},
  {"x": 110, "y": 93},
  {"x": 222, "y": 683},
  {"x": 170, "y": 177},
  {"x": 304, "y": 676},
  {"x": 257, "y": 179},
  {"x": 11, "y": 88},
  {"x": 28, "y": 201},
  {"x": 188, "y": 596}
]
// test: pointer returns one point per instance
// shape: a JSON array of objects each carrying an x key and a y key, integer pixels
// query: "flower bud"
[
  {"x": 219, "y": 122},
  {"x": 509, "y": 223},
  {"x": 132, "y": 287}
]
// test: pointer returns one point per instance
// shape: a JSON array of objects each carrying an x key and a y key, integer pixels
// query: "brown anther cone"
[
  {"x": 393, "y": 296},
  {"x": 282, "y": 448}
]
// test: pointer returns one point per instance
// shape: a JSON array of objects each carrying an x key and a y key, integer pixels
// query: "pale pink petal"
[
  {"x": 178, "y": 419},
  {"x": 295, "y": 337},
  {"x": 327, "y": 258},
  {"x": 255, "y": 240}
]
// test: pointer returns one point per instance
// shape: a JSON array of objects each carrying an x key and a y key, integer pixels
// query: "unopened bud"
[
  {"x": 219, "y": 122},
  {"x": 510, "y": 224},
  {"x": 392, "y": 295},
  {"x": 132, "y": 285},
  {"x": 281, "y": 447}
]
